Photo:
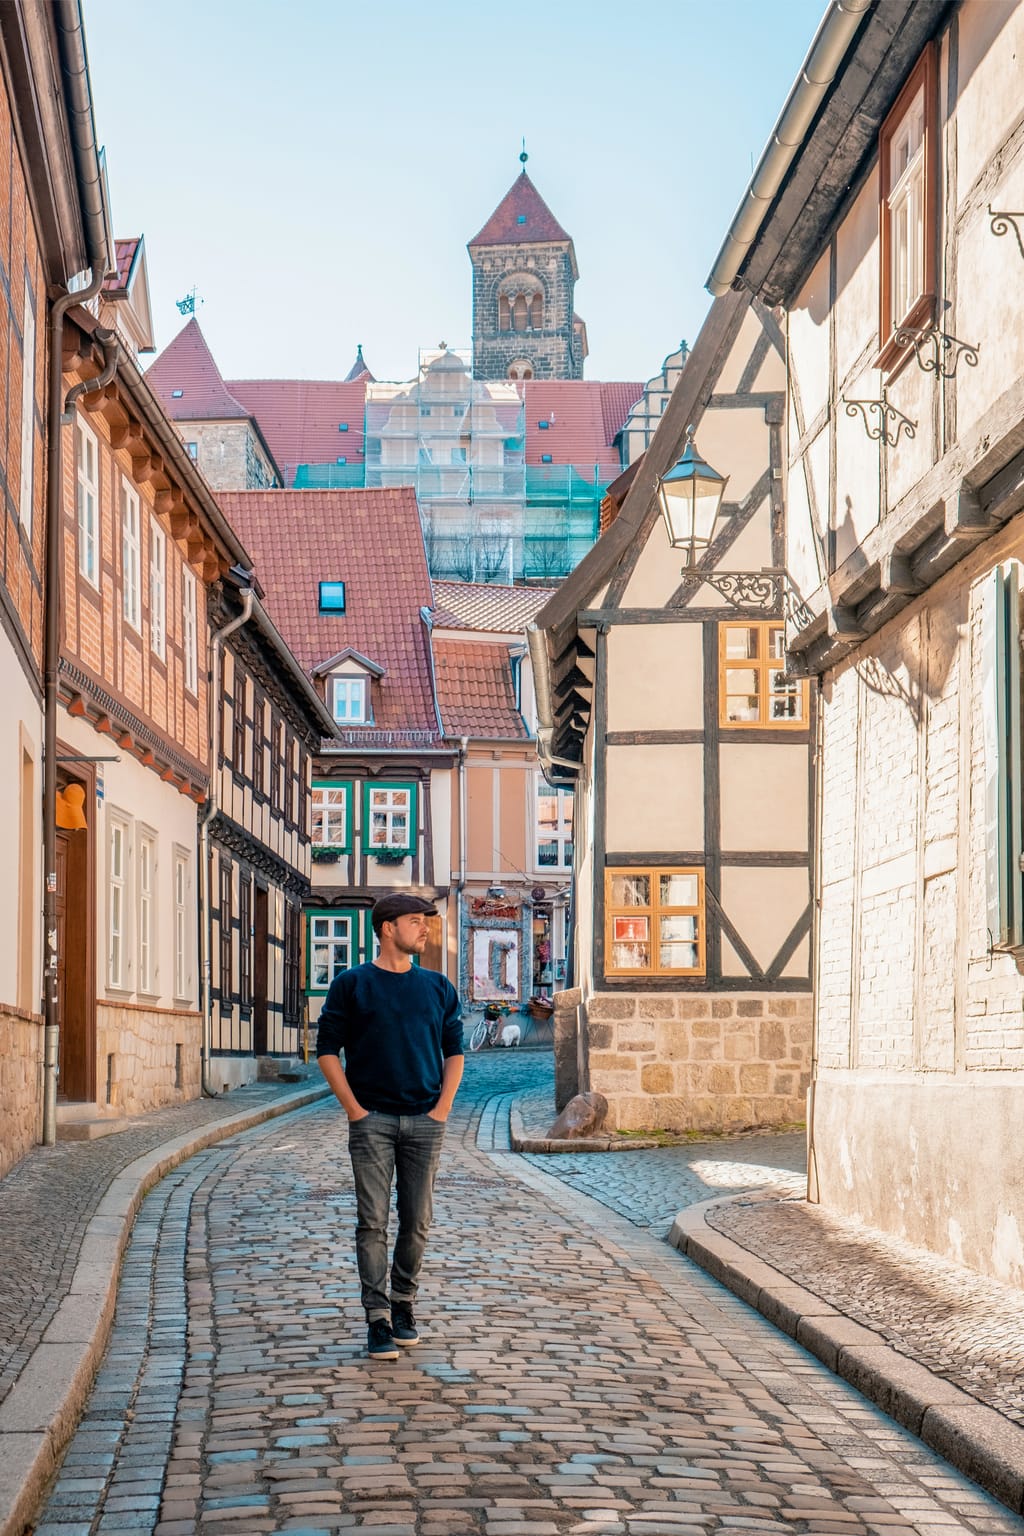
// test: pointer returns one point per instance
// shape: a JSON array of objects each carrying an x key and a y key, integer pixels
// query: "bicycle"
[{"x": 489, "y": 1029}]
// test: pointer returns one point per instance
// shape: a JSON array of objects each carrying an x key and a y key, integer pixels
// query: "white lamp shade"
[{"x": 691, "y": 495}]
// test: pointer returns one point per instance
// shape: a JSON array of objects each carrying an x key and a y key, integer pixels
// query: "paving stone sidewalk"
[{"x": 576, "y": 1375}]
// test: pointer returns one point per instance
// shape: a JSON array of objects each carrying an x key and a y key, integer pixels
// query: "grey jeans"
[{"x": 404, "y": 1149}]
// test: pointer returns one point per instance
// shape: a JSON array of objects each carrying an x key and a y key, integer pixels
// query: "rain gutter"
[{"x": 838, "y": 28}]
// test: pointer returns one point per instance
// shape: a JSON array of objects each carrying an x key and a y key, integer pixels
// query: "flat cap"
[{"x": 398, "y": 904}]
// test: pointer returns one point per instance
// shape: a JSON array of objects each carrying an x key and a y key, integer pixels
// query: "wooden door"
[
  {"x": 432, "y": 958},
  {"x": 76, "y": 1077},
  {"x": 261, "y": 967}
]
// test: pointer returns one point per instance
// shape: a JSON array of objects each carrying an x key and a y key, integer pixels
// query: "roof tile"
[
  {"x": 481, "y": 606},
  {"x": 372, "y": 541},
  {"x": 474, "y": 690},
  {"x": 521, "y": 218},
  {"x": 187, "y": 382}
]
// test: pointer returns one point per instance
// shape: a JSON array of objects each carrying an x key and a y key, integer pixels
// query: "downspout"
[
  {"x": 101, "y": 260},
  {"x": 212, "y": 806},
  {"x": 831, "y": 41},
  {"x": 461, "y": 886},
  {"x": 813, "y": 1192}
]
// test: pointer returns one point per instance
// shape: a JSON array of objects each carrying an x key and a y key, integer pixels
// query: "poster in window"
[
  {"x": 495, "y": 962},
  {"x": 630, "y": 929}
]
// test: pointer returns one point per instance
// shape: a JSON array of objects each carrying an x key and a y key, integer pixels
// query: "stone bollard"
[
  {"x": 583, "y": 1116},
  {"x": 566, "y": 1027}
]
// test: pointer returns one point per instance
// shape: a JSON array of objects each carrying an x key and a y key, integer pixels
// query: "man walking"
[{"x": 401, "y": 1033}]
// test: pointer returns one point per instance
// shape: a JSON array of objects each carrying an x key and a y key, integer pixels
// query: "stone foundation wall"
[
  {"x": 678, "y": 1063},
  {"x": 21, "y": 1084},
  {"x": 144, "y": 1044}
]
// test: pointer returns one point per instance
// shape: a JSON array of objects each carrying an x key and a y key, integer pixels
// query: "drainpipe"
[
  {"x": 461, "y": 886},
  {"x": 831, "y": 42},
  {"x": 212, "y": 806},
  {"x": 813, "y": 1192},
  {"x": 99, "y": 249}
]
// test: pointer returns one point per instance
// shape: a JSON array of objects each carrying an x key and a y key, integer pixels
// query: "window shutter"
[{"x": 1001, "y": 714}]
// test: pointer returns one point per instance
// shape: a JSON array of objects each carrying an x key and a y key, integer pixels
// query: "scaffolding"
[{"x": 460, "y": 443}]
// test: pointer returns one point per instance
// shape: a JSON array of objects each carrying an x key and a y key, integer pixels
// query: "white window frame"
[
  {"x": 331, "y": 811},
  {"x": 390, "y": 803},
  {"x": 146, "y": 911},
  {"x": 189, "y": 629},
  {"x": 87, "y": 493},
  {"x": 131, "y": 557},
  {"x": 907, "y": 208},
  {"x": 562, "y": 836},
  {"x": 157, "y": 589},
  {"x": 182, "y": 876},
  {"x": 339, "y": 933},
  {"x": 119, "y": 963},
  {"x": 349, "y": 687},
  {"x": 28, "y": 410}
]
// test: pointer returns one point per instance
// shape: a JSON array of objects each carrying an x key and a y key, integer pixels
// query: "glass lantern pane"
[
  {"x": 678, "y": 890},
  {"x": 631, "y": 891}
]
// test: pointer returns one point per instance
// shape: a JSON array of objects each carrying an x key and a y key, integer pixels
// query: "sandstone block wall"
[
  {"x": 721, "y": 1063},
  {"x": 149, "y": 1056},
  {"x": 21, "y": 1084}
]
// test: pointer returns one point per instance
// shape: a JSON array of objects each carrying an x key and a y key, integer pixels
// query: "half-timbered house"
[
  {"x": 666, "y": 707},
  {"x": 892, "y": 232},
  {"x": 52, "y": 231},
  {"x": 346, "y": 581},
  {"x": 511, "y": 831}
]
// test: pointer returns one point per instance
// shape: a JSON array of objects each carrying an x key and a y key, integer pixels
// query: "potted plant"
[
  {"x": 390, "y": 855},
  {"x": 326, "y": 855}
]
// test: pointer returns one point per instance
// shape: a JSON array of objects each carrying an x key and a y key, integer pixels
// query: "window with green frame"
[
  {"x": 331, "y": 821},
  {"x": 337, "y": 942},
  {"x": 389, "y": 818}
]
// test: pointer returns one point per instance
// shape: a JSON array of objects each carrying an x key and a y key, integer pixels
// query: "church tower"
[{"x": 524, "y": 276}]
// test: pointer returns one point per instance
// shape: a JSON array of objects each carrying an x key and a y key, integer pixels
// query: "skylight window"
[
  {"x": 543, "y": 426},
  {"x": 545, "y": 458},
  {"x": 342, "y": 426},
  {"x": 176, "y": 394},
  {"x": 332, "y": 597},
  {"x": 342, "y": 460},
  {"x": 521, "y": 219}
]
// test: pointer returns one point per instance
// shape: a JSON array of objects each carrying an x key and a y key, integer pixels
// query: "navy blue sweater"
[{"x": 395, "y": 1028}]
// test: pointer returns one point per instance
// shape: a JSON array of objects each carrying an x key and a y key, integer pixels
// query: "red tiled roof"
[
  {"x": 300, "y": 419},
  {"x": 474, "y": 690},
  {"x": 480, "y": 606},
  {"x": 188, "y": 383},
  {"x": 521, "y": 218},
  {"x": 370, "y": 540},
  {"x": 124, "y": 252},
  {"x": 586, "y": 419}
]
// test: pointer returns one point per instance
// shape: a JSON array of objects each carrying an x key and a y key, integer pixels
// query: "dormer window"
[{"x": 349, "y": 700}]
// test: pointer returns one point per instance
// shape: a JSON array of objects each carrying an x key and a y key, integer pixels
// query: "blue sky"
[{"x": 316, "y": 167}]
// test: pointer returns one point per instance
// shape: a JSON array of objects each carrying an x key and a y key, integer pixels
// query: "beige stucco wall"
[
  {"x": 654, "y": 797},
  {"x": 683, "y": 1062},
  {"x": 655, "y": 677}
]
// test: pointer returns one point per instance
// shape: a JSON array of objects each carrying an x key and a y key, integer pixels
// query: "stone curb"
[
  {"x": 523, "y": 1143},
  {"x": 975, "y": 1439},
  {"x": 41, "y": 1411}
]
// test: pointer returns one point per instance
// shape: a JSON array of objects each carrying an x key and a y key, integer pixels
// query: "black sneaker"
[
  {"x": 380, "y": 1341},
  {"x": 403, "y": 1324}
]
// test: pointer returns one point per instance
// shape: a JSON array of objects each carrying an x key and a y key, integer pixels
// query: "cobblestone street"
[{"x": 575, "y": 1375}]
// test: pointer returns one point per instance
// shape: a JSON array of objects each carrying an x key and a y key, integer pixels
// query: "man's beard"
[{"x": 415, "y": 948}]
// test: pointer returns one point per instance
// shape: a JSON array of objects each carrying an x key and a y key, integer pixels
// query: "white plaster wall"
[
  {"x": 22, "y": 733},
  {"x": 443, "y": 790},
  {"x": 764, "y": 797}
]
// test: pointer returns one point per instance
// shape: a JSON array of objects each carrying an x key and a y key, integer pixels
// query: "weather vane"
[
  {"x": 524, "y": 156},
  {"x": 188, "y": 305}
]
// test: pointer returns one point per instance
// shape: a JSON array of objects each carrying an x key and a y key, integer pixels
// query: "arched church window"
[
  {"x": 504, "y": 314},
  {"x": 520, "y": 370},
  {"x": 536, "y": 316},
  {"x": 520, "y": 313}
]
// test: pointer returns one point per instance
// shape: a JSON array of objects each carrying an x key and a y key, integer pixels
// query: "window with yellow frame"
[
  {"x": 654, "y": 922},
  {"x": 754, "y": 690}
]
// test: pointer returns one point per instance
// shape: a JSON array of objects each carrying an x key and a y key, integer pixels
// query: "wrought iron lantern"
[{"x": 691, "y": 497}]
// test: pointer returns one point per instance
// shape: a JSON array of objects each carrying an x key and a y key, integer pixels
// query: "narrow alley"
[{"x": 576, "y": 1374}]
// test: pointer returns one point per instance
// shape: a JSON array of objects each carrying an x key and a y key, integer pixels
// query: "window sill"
[{"x": 893, "y": 358}]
